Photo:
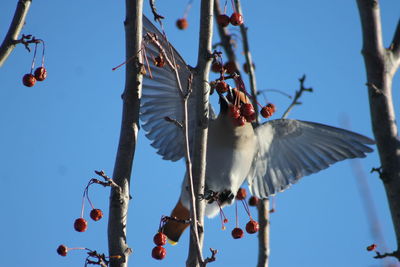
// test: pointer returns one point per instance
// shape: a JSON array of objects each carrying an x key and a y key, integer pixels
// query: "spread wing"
[
  {"x": 291, "y": 149},
  {"x": 161, "y": 96}
]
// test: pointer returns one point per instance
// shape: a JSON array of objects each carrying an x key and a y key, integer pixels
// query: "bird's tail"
[{"x": 174, "y": 229}]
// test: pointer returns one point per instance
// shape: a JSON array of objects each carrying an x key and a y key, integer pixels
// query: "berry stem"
[
  {"x": 43, "y": 50},
  {"x": 246, "y": 208},
  {"x": 34, "y": 57},
  {"x": 225, "y": 6},
  {"x": 187, "y": 9},
  {"x": 233, "y": 6},
  {"x": 236, "y": 214},
  {"x": 222, "y": 215}
]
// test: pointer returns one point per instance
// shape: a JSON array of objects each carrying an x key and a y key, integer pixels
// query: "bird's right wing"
[
  {"x": 291, "y": 149},
  {"x": 161, "y": 95}
]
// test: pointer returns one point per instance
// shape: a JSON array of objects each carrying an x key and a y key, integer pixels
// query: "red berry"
[
  {"x": 40, "y": 74},
  {"x": 159, "y": 253},
  {"x": 266, "y": 112},
  {"x": 253, "y": 201},
  {"x": 235, "y": 112},
  {"x": 216, "y": 67},
  {"x": 251, "y": 118},
  {"x": 222, "y": 87},
  {"x": 80, "y": 225},
  {"x": 247, "y": 110},
  {"x": 271, "y": 107},
  {"x": 96, "y": 214},
  {"x": 223, "y": 20},
  {"x": 371, "y": 247},
  {"x": 62, "y": 250},
  {"x": 159, "y": 61},
  {"x": 252, "y": 227},
  {"x": 230, "y": 67},
  {"x": 182, "y": 24},
  {"x": 237, "y": 233},
  {"x": 239, "y": 121},
  {"x": 236, "y": 19},
  {"x": 160, "y": 239},
  {"x": 29, "y": 80},
  {"x": 241, "y": 194}
]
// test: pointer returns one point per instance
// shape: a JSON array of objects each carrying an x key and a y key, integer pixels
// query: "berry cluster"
[
  {"x": 159, "y": 252},
  {"x": 236, "y": 19},
  {"x": 252, "y": 226},
  {"x": 40, "y": 73}
]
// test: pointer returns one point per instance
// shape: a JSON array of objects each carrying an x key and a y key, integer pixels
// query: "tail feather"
[{"x": 173, "y": 229}]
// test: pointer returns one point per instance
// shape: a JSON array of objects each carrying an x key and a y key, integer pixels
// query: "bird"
[{"x": 270, "y": 157}]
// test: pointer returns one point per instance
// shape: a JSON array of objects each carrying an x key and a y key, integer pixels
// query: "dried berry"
[
  {"x": 40, "y": 74},
  {"x": 253, "y": 201},
  {"x": 237, "y": 233},
  {"x": 223, "y": 20},
  {"x": 247, "y": 110},
  {"x": 216, "y": 67},
  {"x": 234, "y": 111},
  {"x": 96, "y": 214},
  {"x": 252, "y": 227},
  {"x": 182, "y": 24},
  {"x": 29, "y": 80},
  {"x": 222, "y": 87},
  {"x": 62, "y": 250},
  {"x": 240, "y": 121},
  {"x": 230, "y": 67},
  {"x": 271, "y": 107},
  {"x": 159, "y": 61},
  {"x": 241, "y": 194},
  {"x": 236, "y": 19},
  {"x": 371, "y": 247},
  {"x": 266, "y": 112},
  {"x": 159, "y": 253},
  {"x": 80, "y": 225},
  {"x": 160, "y": 239}
]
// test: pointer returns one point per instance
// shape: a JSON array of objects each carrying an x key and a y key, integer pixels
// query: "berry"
[
  {"x": 371, "y": 247},
  {"x": 159, "y": 61},
  {"x": 29, "y": 80},
  {"x": 235, "y": 112},
  {"x": 247, "y": 110},
  {"x": 253, "y": 201},
  {"x": 62, "y": 250},
  {"x": 80, "y": 225},
  {"x": 241, "y": 194},
  {"x": 182, "y": 24},
  {"x": 223, "y": 20},
  {"x": 240, "y": 121},
  {"x": 237, "y": 233},
  {"x": 96, "y": 214},
  {"x": 271, "y": 107},
  {"x": 266, "y": 112},
  {"x": 160, "y": 239},
  {"x": 159, "y": 253},
  {"x": 230, "y": 67},
  {"x": 272, "y": 210},
  {"x": 236, "y": 19},
  {"x": 222, "y": 87},
  {"x": 246, "y": 67},
  {"x": 216, "y": 67},
  {"x": 40, "y": 74},
  {"x": 252, "y": 227},
  {"x": 251, "y": 118}
]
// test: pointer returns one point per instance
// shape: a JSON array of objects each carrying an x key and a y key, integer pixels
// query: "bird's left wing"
[
  {"x": 291, "y": 149},
  {"x": 161, "y": 95}
]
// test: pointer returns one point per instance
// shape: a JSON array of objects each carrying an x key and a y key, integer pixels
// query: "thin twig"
[
  {"x": 297, "y": 96},
  {"x": 10, "y": 40},
  {"x": 157, "y": 17}
]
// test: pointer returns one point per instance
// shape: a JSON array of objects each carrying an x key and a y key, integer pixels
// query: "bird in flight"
[{"x": 271, "y": 156}]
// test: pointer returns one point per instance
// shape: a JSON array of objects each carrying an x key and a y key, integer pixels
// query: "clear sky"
[{"x": 55, "y": 134}]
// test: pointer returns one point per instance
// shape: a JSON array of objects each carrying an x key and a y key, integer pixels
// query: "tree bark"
[
  {"x": 119, "y": 198},
  {"x": 381, "y": 65},
  {"x": 201, "y": 87},
  {"x": 10, "y": 41}
]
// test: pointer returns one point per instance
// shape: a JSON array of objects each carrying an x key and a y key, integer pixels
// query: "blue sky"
[{"x": 56, "y": 133}]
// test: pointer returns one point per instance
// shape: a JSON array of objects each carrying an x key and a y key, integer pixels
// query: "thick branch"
[
  {"x": 395, "y": 45},
  {"x": 119, "y": 200},
  {"x": 380, "y": 71},
  {"x": 10, "y": 41},
  {"x": 201, "y": 131}
]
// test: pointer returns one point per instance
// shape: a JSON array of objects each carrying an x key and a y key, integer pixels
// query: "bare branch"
[
  {"x": 297, "y": 96},
  {"x": 11, "y": 39},
  {"x": 119, "y": 199},
  {"x": 157, "y": 17}
]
